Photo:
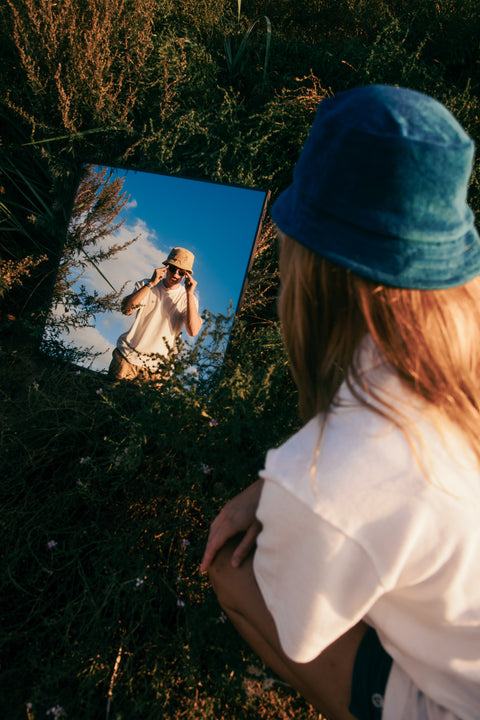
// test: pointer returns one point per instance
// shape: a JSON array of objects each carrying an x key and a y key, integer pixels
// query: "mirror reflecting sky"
[{"x": 218, "y": 223}]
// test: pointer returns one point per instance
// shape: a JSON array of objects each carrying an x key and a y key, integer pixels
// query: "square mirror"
[{"x": 123, "y": 225}]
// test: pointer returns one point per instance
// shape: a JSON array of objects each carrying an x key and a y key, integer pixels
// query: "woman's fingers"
[
  {"x": 219, "y": 533},
  {"x": 237, "y": 516},
  {"x": 247, "y": 544}
]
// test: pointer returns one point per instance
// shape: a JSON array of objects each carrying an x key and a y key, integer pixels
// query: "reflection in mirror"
[{"x": 123, "y": 226}]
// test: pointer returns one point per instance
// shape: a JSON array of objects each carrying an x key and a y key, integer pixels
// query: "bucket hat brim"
[{"x": 384, "y": 259}]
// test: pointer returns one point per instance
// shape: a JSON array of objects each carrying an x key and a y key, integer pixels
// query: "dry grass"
[{"x": 82, "y": 63}]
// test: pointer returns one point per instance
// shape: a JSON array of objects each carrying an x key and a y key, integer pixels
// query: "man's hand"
[
  {"x": 133, "y": 301},
  {"x": 193, "y": 321},
  {"x": 158, "y": 275},
  {"x": 190, "y": 283},
  {"x": 238, "y": 515}
]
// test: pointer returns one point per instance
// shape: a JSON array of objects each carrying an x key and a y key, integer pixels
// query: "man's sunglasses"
[{"x": 174, "y": 269}]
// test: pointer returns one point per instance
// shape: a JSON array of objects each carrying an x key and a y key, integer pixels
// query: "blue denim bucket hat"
[{"x": 380, "y": 188}]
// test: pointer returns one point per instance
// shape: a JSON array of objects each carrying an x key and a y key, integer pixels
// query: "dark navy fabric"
[
  {"x": 380, "y": 188},
  {"x": 370, "y": 675}
]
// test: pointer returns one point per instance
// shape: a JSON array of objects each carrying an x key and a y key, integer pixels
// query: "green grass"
[{"x": 108, "y": 492}]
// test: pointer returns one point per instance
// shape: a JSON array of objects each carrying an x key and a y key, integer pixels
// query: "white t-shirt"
[
  {"x": 352, "y": 529},
  {"x": 157, "y": 323}
]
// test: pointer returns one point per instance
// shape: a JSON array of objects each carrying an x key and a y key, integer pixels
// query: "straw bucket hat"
[{"x": 181, "y": 258}]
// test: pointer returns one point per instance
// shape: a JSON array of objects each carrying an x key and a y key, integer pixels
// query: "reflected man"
[{"x": 163, "y": 306}]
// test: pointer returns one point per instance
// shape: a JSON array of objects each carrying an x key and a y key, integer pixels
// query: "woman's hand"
[{"x": 237, "y": 516}]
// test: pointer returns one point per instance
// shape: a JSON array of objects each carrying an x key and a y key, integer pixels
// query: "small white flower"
[
  {"x": 180, "y": 603},
  {"x": 139, "y": 582},
  {"x": 57, "y": 712},
  {"x": 85, "y": 459},
  {"x": 206, "y": 469},
  {"x": 100, "y": 390},
  {"x": 222, "y": 618},
  {"x": 185, "y": 543},
  {"x": 51, "y": 544}
]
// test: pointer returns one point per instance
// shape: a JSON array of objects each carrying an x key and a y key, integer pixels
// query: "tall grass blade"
[
  {"x": 71, "y": 136},
  {"x": 95, "y": 265},
  {"x": 228, "y": 54},
  {"x": 29, "y": 185},
  {"x": 243, "y": 45},
  {"x": 267, "y": 47}
]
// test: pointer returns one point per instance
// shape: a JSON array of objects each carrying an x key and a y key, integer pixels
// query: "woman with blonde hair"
[{"x": 352, "y": 565}]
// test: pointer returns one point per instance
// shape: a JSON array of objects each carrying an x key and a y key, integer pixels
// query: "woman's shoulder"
[
  {"x": 350, "y": 448},
  {"x": 390, "y": 455},
  {"x": 358, "y": 424}
]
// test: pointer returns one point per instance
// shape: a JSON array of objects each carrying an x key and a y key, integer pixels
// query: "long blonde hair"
[{"x": 431, "y": 337}]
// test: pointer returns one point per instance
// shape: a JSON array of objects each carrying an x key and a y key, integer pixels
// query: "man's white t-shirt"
[
  {"x": 354, "y": 528},
  {"x": 158, "y": 322}
]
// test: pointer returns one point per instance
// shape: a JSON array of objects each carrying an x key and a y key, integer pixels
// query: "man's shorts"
[
  {"x": 370, "y": 674},
  {"x": 121, "y": 369}
]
